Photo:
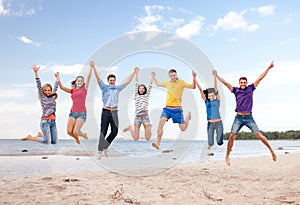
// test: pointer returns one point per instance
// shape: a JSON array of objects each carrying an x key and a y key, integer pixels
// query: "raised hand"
[
  {"x": 153, "y": 74},
  {"x": 271, "y": 65},
  {"x": 34, "y": 68},
  {"x": 194, "y": 74},
  {"x": 92, "y": 63},
  {"x": 136, "y": 69},
  {"x": 214, "y": 72}
]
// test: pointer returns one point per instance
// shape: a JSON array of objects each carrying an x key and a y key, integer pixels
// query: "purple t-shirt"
[{"x": 244, "y": 98}]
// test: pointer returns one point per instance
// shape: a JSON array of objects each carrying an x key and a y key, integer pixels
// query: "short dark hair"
[
  {"x": 111, "y": 76},
  {"x": 243, "y": 78},
  {"x": 172, "y": 71}
]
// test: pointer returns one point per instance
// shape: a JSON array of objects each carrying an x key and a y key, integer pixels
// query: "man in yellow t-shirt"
[{"x": 173, "y": 107}]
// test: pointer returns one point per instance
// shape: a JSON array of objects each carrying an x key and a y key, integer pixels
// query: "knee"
[
  {"x": 259, "y": 135},
  {"x": 232, "y": 136},
  {"x": 70, "y": 132}
]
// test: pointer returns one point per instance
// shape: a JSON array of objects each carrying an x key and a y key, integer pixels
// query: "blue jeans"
[
  {"x": 211, "y": 128},
  {"x": 49, "y": 130},
  {"x": 241, "y": 120}
]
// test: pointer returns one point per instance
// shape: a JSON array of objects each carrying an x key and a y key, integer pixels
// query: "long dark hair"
[
  {"x": 138, "y": 91},
  {"x": 73, "y": 83},
  {"x": 209, "y": 90}
]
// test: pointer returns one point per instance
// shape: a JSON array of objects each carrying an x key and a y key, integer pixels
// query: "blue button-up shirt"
[{"x": 110, "y": 94}]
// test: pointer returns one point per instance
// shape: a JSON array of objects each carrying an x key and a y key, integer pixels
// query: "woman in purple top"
[
  {"x": 211, "y": 98},
  {"x": 48, "y": 124},
  {"x": 244, "y": 102}
]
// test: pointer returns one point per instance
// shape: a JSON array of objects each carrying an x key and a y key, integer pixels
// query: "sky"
[{"x": 240, "y": 38}]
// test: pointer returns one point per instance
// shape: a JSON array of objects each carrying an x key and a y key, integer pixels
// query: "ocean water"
[{"x": 133, "y": 158}]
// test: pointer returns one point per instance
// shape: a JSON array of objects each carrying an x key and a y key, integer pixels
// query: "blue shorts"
[
  {"x": 142, "y": 120},
  {"x": 174, "y": 113},
  {"x": 75, "y": 115},
  {"x": 241, "y": 120}
]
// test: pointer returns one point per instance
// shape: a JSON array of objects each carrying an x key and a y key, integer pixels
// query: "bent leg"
[
  {"x": 53, "y": 132},
  {"x": 105, "y": 119},
  {"x": 185, "y": 125},
  {"x": 76, "y": 131},
  {"x": 70, "y": 129},
  {"x": 265, "y": 141}
]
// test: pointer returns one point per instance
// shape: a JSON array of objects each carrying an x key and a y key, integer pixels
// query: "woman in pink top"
[{"x": 77, "y": 114}]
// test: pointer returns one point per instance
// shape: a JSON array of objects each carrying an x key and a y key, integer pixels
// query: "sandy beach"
[{"x": 255, "y": 180}]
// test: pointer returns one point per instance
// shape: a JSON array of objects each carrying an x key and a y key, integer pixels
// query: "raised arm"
[
  {"x": 136, "y": 75},
  {"x": 129, "y": 79},
  {"x": 38, "y": 81},
  {"x": 92, "y": 65},
  {"x": 263, "y": 74},
  {"x": 214, "y": 72},
  {"x": 68, "y": 90},
  {"x": 201, "y": 91},
  {"x": 229, "y": 86},
  {"x": 35, "y": 70},
  {"x": 88, "y": 78},
  {"x": 153, "y": 74},
  {"x": 193, "y": 85}
]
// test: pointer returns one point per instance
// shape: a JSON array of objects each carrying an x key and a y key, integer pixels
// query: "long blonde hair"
[{"x": 53, "y": 94}]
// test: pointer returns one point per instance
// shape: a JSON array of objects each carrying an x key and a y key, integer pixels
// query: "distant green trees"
[{"x": 288, "y": 135}]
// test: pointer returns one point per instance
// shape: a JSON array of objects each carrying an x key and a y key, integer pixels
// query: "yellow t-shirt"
[{"x": 175, "y": 89}]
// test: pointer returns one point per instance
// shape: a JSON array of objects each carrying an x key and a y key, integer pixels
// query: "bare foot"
[
  {"x": 85, "y": 136},
  {"x": 208, "y": 147},
  {"x": 28, "y": 137},
  {"x": 274, "y": 157},
  {"x": 76, "y": 140},
  {"x": 39, "y": 134},
  {"x": 155, "y": 145},
  {"x": 227, "y": 160},
  {"x": 126, "y": 129}
]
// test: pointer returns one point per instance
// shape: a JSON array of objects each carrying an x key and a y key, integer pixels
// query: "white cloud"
[
  {"x": 12, "y": 93},
  {"x": 6, "y": 9},
  {"x": 265, "y": 10},
  {"x": 147, "y": 23},
  {"x": 233, "y": 21},
  {"x": 74, "y": 70},
  {"x": 158, "y": 19},
  {"x": 26, "y": 40},
  {"x": 191, "y": 29},
  {"x": 3, "y": 8}
]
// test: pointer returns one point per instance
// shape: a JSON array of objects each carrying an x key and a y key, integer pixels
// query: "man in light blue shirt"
[{"x": 109, "y": 115}]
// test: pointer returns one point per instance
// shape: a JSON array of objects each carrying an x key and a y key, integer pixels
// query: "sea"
[{"x": 127, "y": 157}]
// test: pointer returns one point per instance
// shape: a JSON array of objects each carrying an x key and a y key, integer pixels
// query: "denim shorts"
[
  {"x": 241, "y": 120},
  {"x": 174, "y": 113},
  {"x": 75, "y": 115},
  {"x": 142, "y": 120}
]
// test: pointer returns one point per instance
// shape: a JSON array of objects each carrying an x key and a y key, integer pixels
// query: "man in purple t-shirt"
[{"x": 244, "y": 102}]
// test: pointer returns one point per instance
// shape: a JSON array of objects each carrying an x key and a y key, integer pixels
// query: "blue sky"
[{"x": 239, "y": 37}]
